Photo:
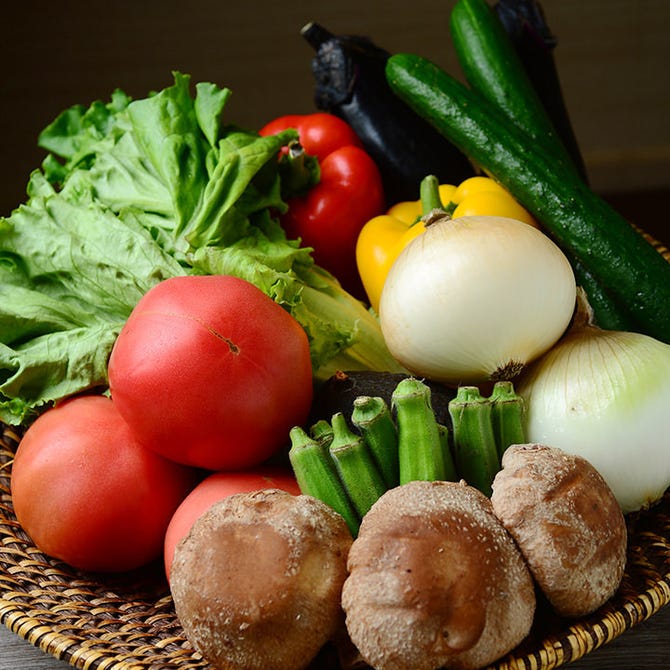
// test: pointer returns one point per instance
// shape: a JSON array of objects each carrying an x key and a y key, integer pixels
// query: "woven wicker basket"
[{"x": 127, "y": 622}]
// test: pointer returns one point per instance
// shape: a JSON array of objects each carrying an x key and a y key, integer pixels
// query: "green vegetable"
[
  {"x": 322, "y": 432},
  {"x": 534, "y": 43},
  {"x": 337, "y": 463},
  {"x": 420, "y": 447},
  {"x": 493, "y": 69},
  {"x": 372, "y": 417},
  {"x": 355, "y": 465},
  {"x": 134, "y": 192},
  {"x": 475, "y": 451},
  {"x": 507, "y": 416},
  {"x": 446, "y": 447},
  {"x": 620, "y": 260},
  {"x": 316, "y": 476}
]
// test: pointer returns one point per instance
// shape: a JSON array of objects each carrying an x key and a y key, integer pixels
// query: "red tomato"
[
  {"x": 88, "y": 493},
  {"x": 211, "y": 372},
  {"x": 216, "y": 487}
]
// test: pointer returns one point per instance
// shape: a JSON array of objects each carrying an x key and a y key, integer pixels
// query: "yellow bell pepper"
[{"x": 383, "y": 238}]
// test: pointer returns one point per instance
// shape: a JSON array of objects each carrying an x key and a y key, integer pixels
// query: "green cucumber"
[
  {"x": 526, "y": 26},
  {"x": 492, "y": 68},
  {"x": 618, "y": 258}
]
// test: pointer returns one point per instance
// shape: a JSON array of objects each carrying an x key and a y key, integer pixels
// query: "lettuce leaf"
[{"x": 133, "y": 192}]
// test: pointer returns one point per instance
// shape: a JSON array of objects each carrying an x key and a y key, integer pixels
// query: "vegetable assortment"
[
  {"x": 178, "y": 295},
  {"x": 383, "y": 238},
  {"x": 350, "y": 83},
  {"x": 134, "y": 192},
  {"x": 620, "y": 261}
]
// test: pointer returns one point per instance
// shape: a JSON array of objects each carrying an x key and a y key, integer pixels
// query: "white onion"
[
  {"x": 605, "y": 396},
  {"x": 476, "y": 298}
]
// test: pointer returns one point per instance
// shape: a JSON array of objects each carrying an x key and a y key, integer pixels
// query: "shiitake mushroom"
[
  {"x": 435, "y": 580},
  {"x": 257, "y": 581},
  {"x": 567, "y": 523}
]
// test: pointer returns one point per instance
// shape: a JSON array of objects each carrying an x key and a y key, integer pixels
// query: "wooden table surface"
[{"x": 644, "y": 647}]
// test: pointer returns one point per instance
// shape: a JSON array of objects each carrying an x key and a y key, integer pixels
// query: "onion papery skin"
[
  {"x": 475, "y": 299},
  {"x": 605, "y": 396}
]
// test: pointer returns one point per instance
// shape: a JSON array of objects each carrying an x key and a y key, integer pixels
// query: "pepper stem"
[
  {"x": 432, "y": 208},
  {"x": 298, "y": 170}
]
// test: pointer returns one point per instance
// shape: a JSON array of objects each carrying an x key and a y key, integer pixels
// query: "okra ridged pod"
[
  {"x": 420, "y": 452},
  {"x": 475, "y": 450},
  {"x": 372, "y": 416},
  {"x": 450, "y": 473},
  {"x": 316, "y": 476},
  {"x": 357, "y": 469},
  {"x": 507, "y": 415}
]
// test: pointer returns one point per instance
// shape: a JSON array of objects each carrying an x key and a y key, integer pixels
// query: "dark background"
[{"x": 613, "y": 58}]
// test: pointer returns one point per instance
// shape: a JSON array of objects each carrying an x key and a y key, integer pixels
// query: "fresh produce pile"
[{"x": 355, "y": 362}]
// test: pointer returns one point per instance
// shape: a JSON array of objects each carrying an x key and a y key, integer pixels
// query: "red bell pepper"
[{"x": 349, "y": 192}]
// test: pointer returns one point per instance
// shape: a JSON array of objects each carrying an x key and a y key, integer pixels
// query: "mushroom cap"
[
  {"x": 567, "y": 522},
  {"x": 434, "y": 580},
  {"x": 257, "y": 581}
]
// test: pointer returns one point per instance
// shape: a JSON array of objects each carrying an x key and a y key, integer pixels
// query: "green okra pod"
[
  {"x": 316, "y": 476},
  {"x": 372, "y": 416},
  {"x": 450, "y": 473},
  {"x": 357, "y": 469},
  {"x": 507, "y": 415},
  {"x": 420, "y": 452},
  {"x": 475, "y": 451}
]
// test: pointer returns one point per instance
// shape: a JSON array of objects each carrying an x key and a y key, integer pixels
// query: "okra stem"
[
  {"x": 475, "y": 451},
  {"x": 420, "y": 452},
  {"x": 322, "y": 432},
  {"x": 507, "y": 415},
  {"x": 353, "y": 460},
  {"x": 316, "y": 476},
  {"x": 372, "y": 416}
]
